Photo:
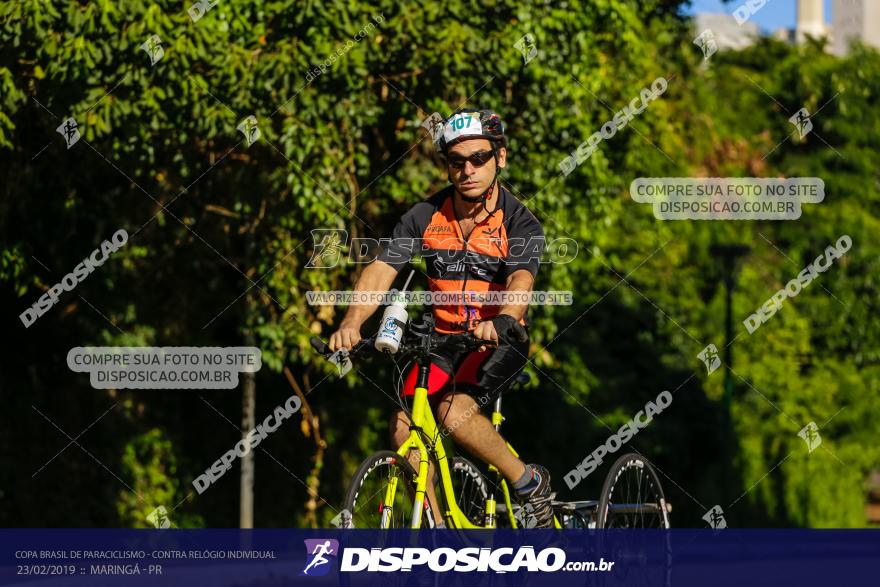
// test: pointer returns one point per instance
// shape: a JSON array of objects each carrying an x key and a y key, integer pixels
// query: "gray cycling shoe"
[{"x": 536, "y": 511}]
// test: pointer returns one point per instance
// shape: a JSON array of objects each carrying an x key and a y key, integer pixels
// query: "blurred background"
[{"x": 220, "y": 233}]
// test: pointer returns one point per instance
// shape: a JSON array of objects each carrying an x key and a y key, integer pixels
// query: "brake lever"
[
  {"x": 479, "y": 344},
  {"x": 320, "y": 346},
  {"x": 468, "y": 342}
]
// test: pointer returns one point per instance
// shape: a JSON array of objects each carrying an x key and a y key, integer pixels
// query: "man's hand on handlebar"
[
  {"x": 347, "y": 336},
  {"x": 486, "y": 331},
  {"x": 501, "y": 329},
  {"x": 414, "y": 343}
]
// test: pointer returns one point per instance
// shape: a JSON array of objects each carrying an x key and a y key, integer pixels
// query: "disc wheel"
[
  {"x": 632, "y": 496},
  {"x": 368, "y": 505}
]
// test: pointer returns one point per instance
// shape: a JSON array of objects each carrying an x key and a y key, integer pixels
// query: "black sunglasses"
[{"x": 477, "y": 159}]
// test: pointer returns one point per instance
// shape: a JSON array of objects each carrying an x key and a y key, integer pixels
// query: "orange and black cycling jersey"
[{"x": 508, "y": 239}]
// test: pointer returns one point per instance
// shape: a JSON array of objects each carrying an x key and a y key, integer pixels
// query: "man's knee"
[
  {"x": 454, "y": 410},
  {"x": 399, "y": 428}
]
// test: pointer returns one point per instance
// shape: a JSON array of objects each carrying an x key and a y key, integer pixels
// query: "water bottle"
[{"x": 391, "y": 328}]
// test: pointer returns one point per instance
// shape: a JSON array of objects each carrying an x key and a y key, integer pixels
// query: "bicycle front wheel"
[
  {"x": 382, "y": 493},
  {"x": 632, "y": 496}
]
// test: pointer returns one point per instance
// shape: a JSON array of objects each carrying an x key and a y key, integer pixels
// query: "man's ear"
[{"x": 502, "y": 157}]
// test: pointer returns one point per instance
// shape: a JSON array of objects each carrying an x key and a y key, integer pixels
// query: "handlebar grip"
[
  {"x": 319, "y": 345},
  {"x": 466, "y": 341}
]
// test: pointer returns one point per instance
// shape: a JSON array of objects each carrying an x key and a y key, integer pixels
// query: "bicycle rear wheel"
[
  {"x": 382, "y": 493},
  {"x": 632, "y": 496}
]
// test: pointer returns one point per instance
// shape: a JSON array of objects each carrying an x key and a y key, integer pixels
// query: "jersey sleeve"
[
  {"x": 406, "y": 237},
  {"x": 525, "y": 238}
]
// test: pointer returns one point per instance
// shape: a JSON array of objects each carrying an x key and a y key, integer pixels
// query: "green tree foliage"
[
  {"x": 150, "y": 463},
  {"x": 220, "y": 235}
]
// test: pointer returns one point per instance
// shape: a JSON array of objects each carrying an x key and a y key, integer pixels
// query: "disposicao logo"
[{"x": 318, "y": 556}]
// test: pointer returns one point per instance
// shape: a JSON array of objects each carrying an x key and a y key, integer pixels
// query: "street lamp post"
[{"x": 728, "y": 255}]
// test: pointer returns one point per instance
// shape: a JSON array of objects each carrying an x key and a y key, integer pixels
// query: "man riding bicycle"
[{"x": 476, "y": 237}]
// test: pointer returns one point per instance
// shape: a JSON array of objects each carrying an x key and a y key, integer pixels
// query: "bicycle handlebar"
[{"x": 411, "y": 343}]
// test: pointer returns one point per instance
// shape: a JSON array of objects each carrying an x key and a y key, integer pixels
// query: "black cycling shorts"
[{"x": 481, "y": 375}]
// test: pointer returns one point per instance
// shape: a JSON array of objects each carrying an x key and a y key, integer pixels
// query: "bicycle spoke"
[
  {"x": 369, "y": 508},
  {"x": 635, "y": 500}
]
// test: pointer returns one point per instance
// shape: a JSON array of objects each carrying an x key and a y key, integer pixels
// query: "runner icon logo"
[
  {"x": 319, "y": 552},
  {"x": 710, "y": 358},
  {"x": 715, "y": 518},
  {"x": 706, "y": 42},
  {"x": 801, "y": 121},
  {"x": 810, "y": 434}
]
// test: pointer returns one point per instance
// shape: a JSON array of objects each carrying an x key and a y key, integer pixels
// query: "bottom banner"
[{"x": 244, "y": 558}]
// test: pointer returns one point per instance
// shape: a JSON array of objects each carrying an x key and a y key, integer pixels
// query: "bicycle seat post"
[{"x": 497, "y": 419}]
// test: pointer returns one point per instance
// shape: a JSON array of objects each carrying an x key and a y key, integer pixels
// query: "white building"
[
  {"x": 810, "y": 20},
  {"x": 855, "y": 19},
  {"x": 728, "y": 34},
  {"x": 851, "y": 20}
]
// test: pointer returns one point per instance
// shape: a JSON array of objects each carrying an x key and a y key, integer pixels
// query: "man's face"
[{"x": 472, "y": 181}]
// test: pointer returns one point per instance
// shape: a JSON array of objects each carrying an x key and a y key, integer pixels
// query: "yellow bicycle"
[{"x": 388, "y": 492}]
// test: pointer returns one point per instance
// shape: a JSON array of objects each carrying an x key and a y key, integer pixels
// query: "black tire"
[
  {"x": 632, "y": 485},
  {"x": 572, "y": 518},
  {"x": 471, "y": 489},
  {"x": 366, "y": 493}
]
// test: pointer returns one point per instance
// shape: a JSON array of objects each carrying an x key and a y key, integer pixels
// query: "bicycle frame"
[
  {"x": 424, "y": 426},
  {"x": 423, "y": 435}
]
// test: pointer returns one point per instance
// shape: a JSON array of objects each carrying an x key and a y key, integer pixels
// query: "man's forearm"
[
  {"x": 378, "y": 276},
  {"x": 520, "y": 281}
]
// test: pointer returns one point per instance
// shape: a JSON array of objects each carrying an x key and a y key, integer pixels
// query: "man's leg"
[
  {"x": 399, "y": 428},
  {"x": 460, "y": 415}
]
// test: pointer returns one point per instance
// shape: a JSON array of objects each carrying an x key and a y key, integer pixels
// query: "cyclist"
[{"x": 476, "y": 237}]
